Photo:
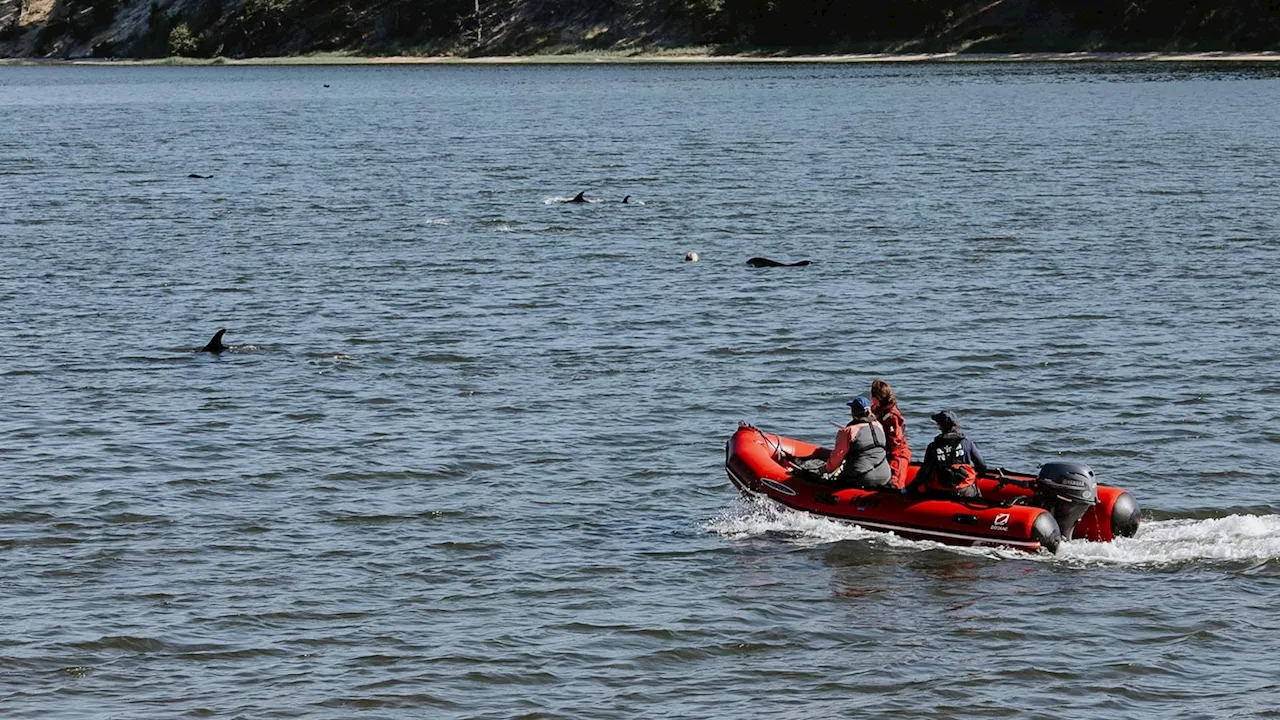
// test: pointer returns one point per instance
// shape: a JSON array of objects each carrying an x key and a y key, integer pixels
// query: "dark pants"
[
  {"x": 969, "y": 493},
  {"x": 848, "y": 480},
  {"x": 869, "y": 486}
]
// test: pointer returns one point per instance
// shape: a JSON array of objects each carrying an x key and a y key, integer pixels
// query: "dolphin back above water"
[
  {"x": 761, "y": 262},
  {"x": 582, "y": 198}
]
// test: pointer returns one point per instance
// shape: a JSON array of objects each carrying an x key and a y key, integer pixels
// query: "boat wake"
[
  {"x": 1253, "y": 539},
  {"x": 1234, "y": 538}
]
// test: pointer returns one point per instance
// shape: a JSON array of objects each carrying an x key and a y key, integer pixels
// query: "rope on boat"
[{"x": 776, "y": 445}]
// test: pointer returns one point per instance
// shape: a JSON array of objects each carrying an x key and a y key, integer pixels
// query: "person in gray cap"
[
  {"x": 951, "y": 463},
  {"x": 859, "y": 458}
]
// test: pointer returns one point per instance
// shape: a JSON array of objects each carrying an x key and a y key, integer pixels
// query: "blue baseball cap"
[
  {"x": 945, "y": 419},
  {"x": 860, "y": 404}
]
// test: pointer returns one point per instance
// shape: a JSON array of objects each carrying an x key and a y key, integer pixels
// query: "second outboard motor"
[{"x": 1068, "y": 490}]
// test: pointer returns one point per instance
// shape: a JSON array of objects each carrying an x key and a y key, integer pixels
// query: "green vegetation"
[
  {"x": 468, "y": 28},
  {"x": 181, "y": 42}
]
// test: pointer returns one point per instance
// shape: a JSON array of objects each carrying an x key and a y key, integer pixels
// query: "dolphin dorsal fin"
[{"x": 215, "y": 343}]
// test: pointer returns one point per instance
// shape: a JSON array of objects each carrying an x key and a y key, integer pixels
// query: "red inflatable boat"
[{"x": 1029, "y": 512}]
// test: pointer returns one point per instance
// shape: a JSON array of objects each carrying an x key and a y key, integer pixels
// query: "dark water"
[{"x": 464, "y": 458}]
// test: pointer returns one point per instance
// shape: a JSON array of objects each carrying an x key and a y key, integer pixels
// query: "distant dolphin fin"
[
  {"x": 580, "y": 197},
  {"x": 625, "y": 199},
  {"x": 215, "y": 343},
  {"x": 762, "y": 262}
]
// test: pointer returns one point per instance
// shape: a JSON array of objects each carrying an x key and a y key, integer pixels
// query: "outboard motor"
[{"x": 1068, "y": 490}]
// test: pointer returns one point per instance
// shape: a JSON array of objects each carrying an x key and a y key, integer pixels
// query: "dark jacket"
[{"x": 936, "y": 455}]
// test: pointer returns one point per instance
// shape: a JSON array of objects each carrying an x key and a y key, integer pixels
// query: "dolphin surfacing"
[
  {"x": 762, "y": 262},
  {"x": 579, "y": 198},
  {"x": 215, "y": 345}
]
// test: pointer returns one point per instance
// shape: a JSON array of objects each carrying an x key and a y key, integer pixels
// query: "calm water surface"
[{"x": 464, "y": 458}]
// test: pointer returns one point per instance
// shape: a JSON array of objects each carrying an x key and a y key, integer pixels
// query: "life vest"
[
  {"x": 952, "y": 470},
  {"x": 864, "y": 464}
]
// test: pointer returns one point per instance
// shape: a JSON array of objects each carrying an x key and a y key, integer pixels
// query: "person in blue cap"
[
  {"x": 951, "y": 463},
  {"x": 859, "y": 458}
]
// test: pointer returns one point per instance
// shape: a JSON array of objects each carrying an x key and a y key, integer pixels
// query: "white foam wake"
[
  {"x": 1235, "y": 538},
  {"x": 762, "y": 518}
]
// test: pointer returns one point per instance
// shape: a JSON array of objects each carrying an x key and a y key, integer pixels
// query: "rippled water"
[{"x": 464, "y": 457}]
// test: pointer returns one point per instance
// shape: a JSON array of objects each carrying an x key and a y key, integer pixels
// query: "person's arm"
[
  {"x": 976, "y": 457},
  {"x": 926, "y": 467},
  {"x": 891, "y": 429},
  {"x": 841, "y": 449}
]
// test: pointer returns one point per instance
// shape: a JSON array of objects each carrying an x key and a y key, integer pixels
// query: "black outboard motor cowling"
[{"x": 1068, "y": 490}]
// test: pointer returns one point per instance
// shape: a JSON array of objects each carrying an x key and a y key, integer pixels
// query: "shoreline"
[{"x": 678, "y": 58}]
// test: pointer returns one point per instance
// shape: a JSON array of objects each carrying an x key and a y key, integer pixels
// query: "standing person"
[
  {"x": 884, "y": 404},
  {"x": 859, "y": 458},
  {"x": 952, "y": 462}
]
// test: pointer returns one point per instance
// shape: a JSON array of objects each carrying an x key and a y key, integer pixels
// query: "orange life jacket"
[{"x": 895, "y": 432}]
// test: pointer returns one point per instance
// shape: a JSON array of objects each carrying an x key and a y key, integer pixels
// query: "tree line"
[
  {"x": 996, "y": 25},
  {"x": 237, "y": 28}
]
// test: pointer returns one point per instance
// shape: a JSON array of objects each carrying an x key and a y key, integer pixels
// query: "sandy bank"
[
  {"x": 836, "y": 59},
  {"x": 687, "y": 57}
]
